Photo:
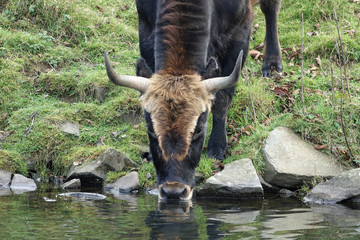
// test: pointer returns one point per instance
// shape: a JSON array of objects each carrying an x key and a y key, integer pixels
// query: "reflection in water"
[
  {"x": 29, "y": 216},
  {"x": 172, "y": 220}
]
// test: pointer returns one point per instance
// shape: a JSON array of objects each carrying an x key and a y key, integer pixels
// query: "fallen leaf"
[
  {"x": 321, "y": 147},
  {"x": 313, "y": 67},
  {"x": 259, "y": 47},
  {"x": 351, "y": 32},
  {"x": 280, "y": 91},
  {"x": 255, "y": 54},
  {"x": 89, "y": 122},
  {"x": 318, "y": 61},
  {"x": 267, "y": 121},
  {"x": 100, "y": 8}
]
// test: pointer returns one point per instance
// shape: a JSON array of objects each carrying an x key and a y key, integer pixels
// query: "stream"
[{"x": 48, "y": 214}]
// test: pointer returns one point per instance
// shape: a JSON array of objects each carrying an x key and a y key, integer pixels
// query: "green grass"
[{"x": 51, "y": 63}]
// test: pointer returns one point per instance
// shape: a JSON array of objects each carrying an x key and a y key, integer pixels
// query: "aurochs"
[{"x": 192, "y": 53}]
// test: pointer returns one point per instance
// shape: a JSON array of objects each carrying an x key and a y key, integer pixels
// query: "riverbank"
[{"x": 52, "y": 74}]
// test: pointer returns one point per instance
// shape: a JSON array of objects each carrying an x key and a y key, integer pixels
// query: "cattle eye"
[{"x": 199, "y": 132}]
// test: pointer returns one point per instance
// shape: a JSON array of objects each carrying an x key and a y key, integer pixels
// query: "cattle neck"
[{"x": 182, "y": 36}]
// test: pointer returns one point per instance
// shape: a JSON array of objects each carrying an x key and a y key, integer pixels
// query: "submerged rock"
[
  {"x": 83, "y": 195},
  {"x": 20, "y": 184},
  {"x": 340, "y": 188},
  {"x": 5, "y": 179},
  {"x": 238, "y": 180},
  {"x": 126, "y": 184},
  {"x": 291, "y": 162},
  {"x": 93, "y": 174}
]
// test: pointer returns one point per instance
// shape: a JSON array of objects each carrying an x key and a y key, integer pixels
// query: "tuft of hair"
[{"x": 175, "y": 104}]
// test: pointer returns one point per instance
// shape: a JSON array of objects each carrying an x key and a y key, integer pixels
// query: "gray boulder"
[
  {"x": 291, "y": 162},
  {"x": 238, "y": 180},
  {"x": 5, "y": 178},
  {"x": 126, "y": 184},
  {"x": 20, "y": 184},
  {"x": 337, "y": 189},
  {"x": 93, "y": 174}
]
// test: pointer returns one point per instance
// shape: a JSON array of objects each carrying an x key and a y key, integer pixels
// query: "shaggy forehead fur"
[{"x": 175, "y": 104}]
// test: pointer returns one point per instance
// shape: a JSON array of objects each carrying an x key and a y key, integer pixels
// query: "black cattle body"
[{"x": 191, "y": 57}]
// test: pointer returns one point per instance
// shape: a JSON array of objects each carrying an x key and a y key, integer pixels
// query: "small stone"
[
  {"x": 69, "y": 128},
  {"x": 126, "y": 184},
  {"x": 72, "y": 184}
]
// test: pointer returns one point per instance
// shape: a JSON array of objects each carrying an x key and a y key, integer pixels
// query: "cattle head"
[{"x": 176, "y": 111}]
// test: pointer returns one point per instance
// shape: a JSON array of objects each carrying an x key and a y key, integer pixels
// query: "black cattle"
[{"x": 191, "y": 57}]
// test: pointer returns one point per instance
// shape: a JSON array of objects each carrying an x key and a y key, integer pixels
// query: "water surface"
[{"x": 44, "y": 214}]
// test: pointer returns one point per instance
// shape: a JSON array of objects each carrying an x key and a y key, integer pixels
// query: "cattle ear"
[
  {"x": 212, "y": 69},
  {"x": 142, "y": 69}
]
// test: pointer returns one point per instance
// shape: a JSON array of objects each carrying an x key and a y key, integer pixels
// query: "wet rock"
[
  {"x": 267, "y": 187},
  {"x": 238, "y": 179},
  {"x": 291, "y": 162},
  {"x": 285, "y": 193},
  {"x": 126, "y": 184},
  {"x": 69, "y": 128},
  {"x": 72, "y": 184},
  {"x": 93, "y": 174},
  {"x": 20, "y": 184},
  {"x": 5, "y": 178},
  {"x": 153, "y": 191},
  {"x": 337, "y": 189}
]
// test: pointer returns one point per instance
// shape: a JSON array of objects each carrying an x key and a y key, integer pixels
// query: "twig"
[
  {"x": 332, "y": 85},
  {"x": 32, "y": 123},
  {"x": 343, "y": 62},
  {"x": 251, "y": 99},
  {"x": 302, "y": 66}
]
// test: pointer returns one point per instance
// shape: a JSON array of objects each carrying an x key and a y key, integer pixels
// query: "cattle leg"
[
  {"x": 217, "y": 145},
  {"x": 272, "y": 53}
]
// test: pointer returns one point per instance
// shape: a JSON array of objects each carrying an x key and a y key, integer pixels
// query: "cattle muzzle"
[{"x": 175, "y": 191}]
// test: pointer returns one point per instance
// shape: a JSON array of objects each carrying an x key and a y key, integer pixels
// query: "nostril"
[
  {"x": 169, "y": 191},
  {"x": 184, "y": 192}
]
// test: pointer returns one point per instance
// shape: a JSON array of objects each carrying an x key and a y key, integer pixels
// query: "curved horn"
[
  {"x": 138, "y": 83},
  {"x": 219, "y": 83}
]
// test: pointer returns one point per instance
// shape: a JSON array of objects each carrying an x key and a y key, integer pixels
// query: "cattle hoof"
[
  {"x": 267, "y": 69},
  {"x": 220, "y": 155}
]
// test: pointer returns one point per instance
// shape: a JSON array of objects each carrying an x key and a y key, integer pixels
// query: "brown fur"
[
  {"x": 175, "y": 103},
  {"x": 182, "y": 32}
]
